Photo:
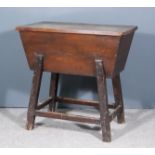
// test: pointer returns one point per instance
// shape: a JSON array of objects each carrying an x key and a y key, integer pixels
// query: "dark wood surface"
[
  {"x": 53, "y": 90},
  {"x": 36, "y": 83},
  {"x": 103, "y": 100},
  {"x": 69, "y": 117},
  {"x": 80, "y": 28},
  {"x": 118, "y": 96},
  {"x": 79, "y": 49},
  {"x": 105, "y": 116},
  {"x": 74, "y": 53}
]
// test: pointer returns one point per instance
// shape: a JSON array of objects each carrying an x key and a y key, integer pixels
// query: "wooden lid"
[{"x": 59, "y": 27}]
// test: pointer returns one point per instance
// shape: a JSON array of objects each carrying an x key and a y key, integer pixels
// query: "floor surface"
[{"x": 138, "y": 131}]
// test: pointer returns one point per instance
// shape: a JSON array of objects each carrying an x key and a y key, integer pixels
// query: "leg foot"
[{"x": 29, "y": 126}]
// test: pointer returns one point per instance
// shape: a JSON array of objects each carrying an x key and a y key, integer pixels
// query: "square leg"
[
  {"x": 116, "y": 82},
  {"x": 53, "y": 90},
  {"x": 103, "y": 101},
  {"x": 37, "y": 77}
]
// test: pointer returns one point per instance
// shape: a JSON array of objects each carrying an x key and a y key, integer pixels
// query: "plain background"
[{"x": 138, "y": 78}]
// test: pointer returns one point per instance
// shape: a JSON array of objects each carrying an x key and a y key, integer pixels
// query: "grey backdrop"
[{"x": 138, "y": 79}]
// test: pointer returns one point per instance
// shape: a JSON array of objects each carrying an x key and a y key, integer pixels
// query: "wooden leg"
[
  {"x": 118, "y": 97},
  {"x": 53, "y": 90},
  {"x": 103, "y": 100},
  {"x": 37, "y": 77}
]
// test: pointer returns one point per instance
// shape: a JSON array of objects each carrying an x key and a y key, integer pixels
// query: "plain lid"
[{"x": 78, "y": 28}]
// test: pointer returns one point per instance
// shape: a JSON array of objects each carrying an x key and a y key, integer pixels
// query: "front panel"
[{"x": 71, "y": 53}]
